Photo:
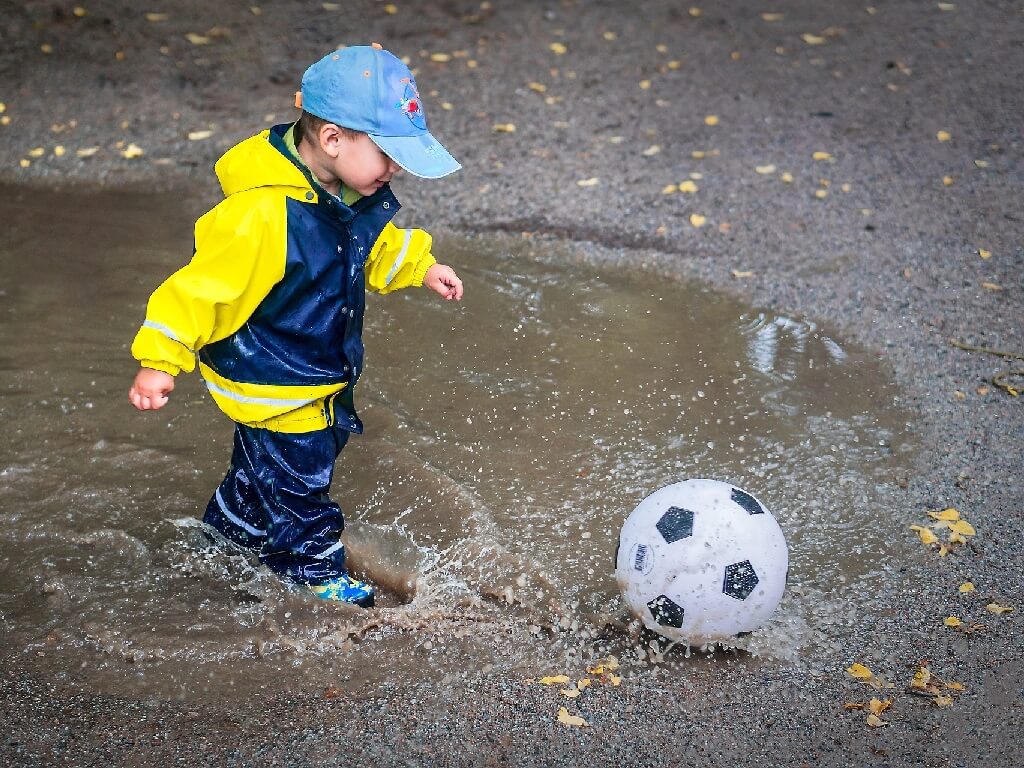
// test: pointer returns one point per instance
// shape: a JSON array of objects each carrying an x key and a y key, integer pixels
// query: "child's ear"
[{"x": 330, "y": 137}]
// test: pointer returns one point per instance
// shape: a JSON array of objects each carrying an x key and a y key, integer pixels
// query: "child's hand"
[
  {"x": 150, "y": 389},
  {"x": 442, "y": 279}
]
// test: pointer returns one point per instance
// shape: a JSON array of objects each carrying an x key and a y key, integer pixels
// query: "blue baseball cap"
[{"x": 368, "y": 89}]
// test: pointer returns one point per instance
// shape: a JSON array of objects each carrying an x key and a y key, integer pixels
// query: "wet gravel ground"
[{"x": 897, "y": 260}]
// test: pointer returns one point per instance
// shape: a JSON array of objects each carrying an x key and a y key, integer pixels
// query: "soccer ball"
[{"x": 701, "y": 561}]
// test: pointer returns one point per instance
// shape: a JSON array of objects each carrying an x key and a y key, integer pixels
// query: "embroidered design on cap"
[{"x": 410, "y": 105}]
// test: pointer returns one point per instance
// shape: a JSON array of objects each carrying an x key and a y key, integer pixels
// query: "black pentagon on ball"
[
  {"x": 747, "y": 501},
  {"x": 740, "y": 580},
  {"x": 675, "y": 524},
  {"x": 666, "y": 611}
]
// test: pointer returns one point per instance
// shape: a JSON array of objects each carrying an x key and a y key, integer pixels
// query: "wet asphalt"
[{"x": 869, "y": 238}]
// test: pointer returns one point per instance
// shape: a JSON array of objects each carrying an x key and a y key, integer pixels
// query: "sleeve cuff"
[
  {"x": 425, "y": 263},
  {"x": 160, "y": 365}
]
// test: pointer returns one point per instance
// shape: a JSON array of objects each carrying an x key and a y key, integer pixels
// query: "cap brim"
[{"x": 422, "y": 155}]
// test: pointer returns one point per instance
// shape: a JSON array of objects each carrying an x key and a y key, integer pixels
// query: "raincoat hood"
[{"x": 256, "y": 162}]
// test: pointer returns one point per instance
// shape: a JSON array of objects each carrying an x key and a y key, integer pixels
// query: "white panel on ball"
[{"x": 702, "y": 561}]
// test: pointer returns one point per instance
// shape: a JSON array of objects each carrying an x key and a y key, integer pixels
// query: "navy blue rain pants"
[{"x": 274, "y": 500}]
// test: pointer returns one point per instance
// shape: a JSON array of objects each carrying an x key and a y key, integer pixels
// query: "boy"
[{"x": 272, "y": 303}]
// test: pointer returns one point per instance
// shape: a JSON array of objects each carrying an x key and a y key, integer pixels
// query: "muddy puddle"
[{"x": 506, "y": 440}]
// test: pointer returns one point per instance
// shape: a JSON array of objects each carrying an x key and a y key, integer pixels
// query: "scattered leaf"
[
  {"x": 645, "y": 85},
  {"x": 991, "y": 286},
  {"x": 875, "y": 721},
  {"x": 956, "y": 686},
  {"x": 949, "y": 513},
  {"x": 697, "y": 220},
  {"x": 740, "y": 273},
  {"x": 711, "y": 120},
  {"x": 558, "y": 48},
  {"x": 926, "y": 535},
  {"x": 157, "y": 17},
  {"x": 941, "y": 700},
  {"x": 877, "y": 707},
  {"x": 787, "y": 177},
  {"x": 921, "y": 678},
  {"x": 199, "y": 135},
  {"x": 947, "y": 181},
  {"x": 132, "y": 151},
  {"x": 609, "y": 36},
  {"x": 764, "y": 170},
  {"x": 959, "y": 395},
  {"x": 573, "y": 720},
  {"x": 651, "y": 150},
  {"x": 570, "y": 693},
  {"x": 859, "y": 671},
  {"x": 197, "y": 39},
  {"x": 593, "y": 181},
  {"x": 821, "y": 156},
  {"x": 440, "y": 58},
  {"x": 87, "y": 151},
  {"x": 998, "y": 609},
  {"x": 947, "y": 6},
  {"x": 504, "y": 128},
  {"x": 24, "y": 162},
  {"x": 943, "y": 136},
  {"x": 821, "y": 194},
  {"x": 583, "y": 683},
  {"x": 984, "y": 254},
  {"x": 963, "y": 528},
  {"x": 670, "y": 189},
  {"x": 58, "y": 151},
  {"x": 952, "y": 621},
  {"x": 852, "y": 705},
  {"x": 695, "y": 12},
  {"x": 554, "y": 680},
  {"x": 967, "y": 586},
  {"x": 981, "y": 163},
  {"x": 538, "y": 87},
  {"x": 982, "y": 389},
  {"x": 772, "y": 16},
  {"x": 390, "y": 9},
  {"x": 812, "y": 39},
  {"x": 36, "y": 152},
  {"x": 674, "y": 64},
  {"x": 688, "y": 187}
]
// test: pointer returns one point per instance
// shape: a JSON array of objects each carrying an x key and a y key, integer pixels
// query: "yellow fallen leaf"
[
  {"x": 877, "y": 707},
  {"x": 998, "y": 609},
  {"x": 440, "y": 57},
  {"x": 330, "y": 6},
  {"x": 609, "y": 36},
  {"x": 593, "y": 181},
  {"x": 949, "y": 513},
  {"x": 390, "y": 9},
  {"x": 696, "y": 176},
  {"x": 24, "y": 163},
  {"x": 674, "y": 64},
  {"x": 812, "y": 39},
  {"x": 764, "y": 170},
  {"x": 615, "y": 680},
  {"x": 570, "y": 693},
  {"x": 859, "y": 671},
  {"x": 698, "y": 154},
  {"x": 943, "y": 550},
  {"x": 947, "y": 6},
  {"x": 956, "y": 686},
  {"x": 447, "y": 106},
  {"x": 87, "y": 151},
  {"x": 199, "y": 135},
  {"x": 5, "y": 120},
  {"x": 984, "y": 254},
  {"x": 821, "y": 156},
  {"x": 787, "y": 177},
  {"x": 554, "y": 680},
  {"x": 821, "y": 194},
  {"x": 959, "y": 395},
  {"x": 79, "y": 11},
  {"x": 982, "y": 389},
  {"x": 952, "y": 621},
  {"x": 688, "y": 187},
  {"x": 942, "y": 700},
  {"x": 991, "y": 286},
  {"x": 132, "y": 151},
  {"x": 583, "y": 683},
  {"x": 711, "y": 120},
  {"x": 558, "y": 48},
  {"x": 538, "y": 87},
  {"x": 947, "y": 181},
  {"x": 846, "y": 187},
  {"x": 853, "y": 705},
  {"x": 695, "y": 12},
  {"x": 967, "y": 586},
  {"x": 46, "y": 48},
  {"x": 669, "y": 189},
  {"x": 697, "y": 220},
  {"x": 772, "y": 16},
  {"x": 661, "y": 48},
  {"x": 943, "y": 136},
  {"x": 875, "y": 721},
  {"x": 645, "y": 85},
  {"x": 155, "y": 17},
  {"x": 921, "y": 678},
  {"x": 927, "y": 537},
  {"x": 197, "y": 39},
  {"x": 963, "y": 528},
  {"x": 567, "y": 719},
  {"x": 36, "y": 152},
  {"x": 651, "y": 150},
  {"x": 871, "y": 10},
  {"x": 58, "y": 151},
  {"x": 981, "y": 163},
  {"x": 504, "y": 128},
  {"x": 740, "y": 273}
]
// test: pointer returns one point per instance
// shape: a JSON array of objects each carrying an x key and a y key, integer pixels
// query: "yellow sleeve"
[
  {"x": 399, "y": 259},
  {"x": 241, "y": 249}
]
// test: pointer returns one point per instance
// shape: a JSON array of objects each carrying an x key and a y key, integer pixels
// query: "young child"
[{"x": 272, "y": 303}]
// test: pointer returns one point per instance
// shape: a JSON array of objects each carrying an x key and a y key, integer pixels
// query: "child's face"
[{"x": 359, "y": 163}]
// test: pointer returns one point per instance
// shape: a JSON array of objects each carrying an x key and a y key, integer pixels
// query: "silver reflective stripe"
[
  {"x": 329, "y": 551},
  {"x": 257, "y": 400},
  {"x": 164, "y": 330},
  {"x": 400, "y": 259},
  {"x": 236, "y": 519}
]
